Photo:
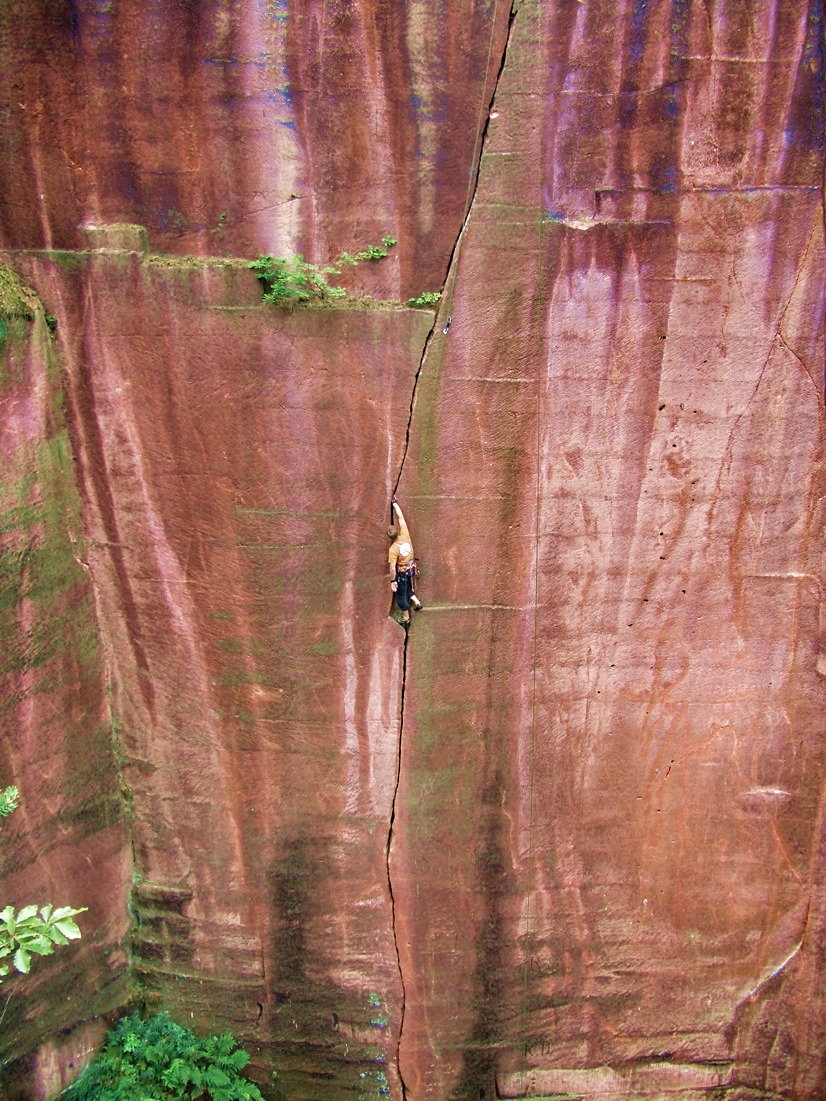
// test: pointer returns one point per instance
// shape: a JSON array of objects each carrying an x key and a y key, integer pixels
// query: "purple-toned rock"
[
  {"x": 606, "y": 848},
  {"x": 266, "y": 127},
  {"x": 566, "y": 836}
]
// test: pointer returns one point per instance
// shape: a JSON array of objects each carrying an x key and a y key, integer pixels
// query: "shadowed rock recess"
[{"x": 567, "y": 836}]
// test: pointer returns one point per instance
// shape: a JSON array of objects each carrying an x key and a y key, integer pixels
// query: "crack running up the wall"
[
  {"x": 443, "y": 319},
  {"x": 441, "y": 325}
]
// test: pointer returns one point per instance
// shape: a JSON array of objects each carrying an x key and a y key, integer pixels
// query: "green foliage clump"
[
  {"x": 427, "y": 298},
  {"x": 290, "y": 280},
  {"x": 9, "y": 801},
  {"x": 158, "y": 1060},
  {"x": 16, "y": 299},
  {"x": 28, "y": 933}
]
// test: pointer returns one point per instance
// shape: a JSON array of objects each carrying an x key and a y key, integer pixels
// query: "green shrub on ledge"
[
  {"x": 290, "y": 280},
  {"x": 425, "y": 300}
]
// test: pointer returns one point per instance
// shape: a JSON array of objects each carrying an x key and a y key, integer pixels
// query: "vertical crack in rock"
[
  {"x": 389, "y": 874},
  {"x": 443, "y": 318}
]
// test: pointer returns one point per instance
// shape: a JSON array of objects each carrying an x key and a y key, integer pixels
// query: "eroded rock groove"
[
  {"x": 443, "y": 316},
  {"x": 442, "y": 320},
  {"x": 388, "y": 857}
]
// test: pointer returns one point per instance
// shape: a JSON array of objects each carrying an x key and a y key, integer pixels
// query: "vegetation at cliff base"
[
  {"x": 158, "y": 1060},
  {"x": 27, "y": 933},
  {"x": 291, "y": 280}
]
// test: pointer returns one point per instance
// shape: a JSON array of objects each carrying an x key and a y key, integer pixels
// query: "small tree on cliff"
[{"x": 26, "y": 932}]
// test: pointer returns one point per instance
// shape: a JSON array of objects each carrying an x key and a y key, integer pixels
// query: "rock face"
[
  {"x": 68, "y": 842},
  {"x": 633, "y": 407},
  {"x": 258, "y": 126},
  {"x": 566, "y": 837}
]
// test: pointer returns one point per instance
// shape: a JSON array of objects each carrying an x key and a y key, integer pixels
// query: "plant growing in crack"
[
  {"x": 379, "y": 1019},
  {"x": 292, "y": 280},
  {"x": 376, "y": 1082},
  {"x": 373, "y": 1082}
]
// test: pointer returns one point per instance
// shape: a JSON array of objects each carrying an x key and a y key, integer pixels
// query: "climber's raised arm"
[{"x": 404, "y": 534}]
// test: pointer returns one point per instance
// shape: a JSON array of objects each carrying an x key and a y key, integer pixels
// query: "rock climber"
[{"x": 402, "y": 563}]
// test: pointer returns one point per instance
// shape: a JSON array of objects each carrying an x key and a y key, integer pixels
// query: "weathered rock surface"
[
  {"x": 252, "y": 127},
  {"x": 67, "y": 843},
  {"x": 568, "y": 839},
  {"x": 617, "y": 471},
  {"x": 235, "y": 460}
]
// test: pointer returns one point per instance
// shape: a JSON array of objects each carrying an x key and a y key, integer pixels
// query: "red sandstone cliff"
[{"x": 567, "y": 838}]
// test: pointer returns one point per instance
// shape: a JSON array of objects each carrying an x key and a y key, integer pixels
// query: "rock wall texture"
[
  {"x": 67, "y": 843},
  {"x": 246, "y": 126},
  {"x": 566, "y": 837},
  {"x": 616, "y": 463}
]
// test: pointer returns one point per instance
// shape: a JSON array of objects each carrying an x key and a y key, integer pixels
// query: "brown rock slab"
[
  {"x": 236, "y": 461},
  {"x": 67, "y": 844},
  {"x": 612, "y": 732},
  {"x": 567, "y": 835},
  {"x": 262, "y": 128}
]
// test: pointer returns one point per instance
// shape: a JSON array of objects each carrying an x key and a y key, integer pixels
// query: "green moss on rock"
[{"x": 16, "y": 299}]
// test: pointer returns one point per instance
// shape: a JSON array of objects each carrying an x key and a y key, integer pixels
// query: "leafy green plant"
[
  {"x": 9, "y": 801},
  {"x": 26, "y": 933},
  {"x": 158, "y": 1060},
  {"x": 290, "y": 280},
  {"x": 427, "y": 298},
  {"x": 372, "y": 252}
]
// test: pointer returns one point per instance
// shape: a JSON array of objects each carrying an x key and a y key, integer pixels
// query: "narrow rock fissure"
[
  {"x": 389, "y": 875},
  {"x": 442, "y": 320},
  {"x": 443, "y": 315}
]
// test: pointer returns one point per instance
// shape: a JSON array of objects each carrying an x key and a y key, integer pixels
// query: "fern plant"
[
  {"x": 9, "y": 801},
  {"x": 158, "y": 1060}
]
